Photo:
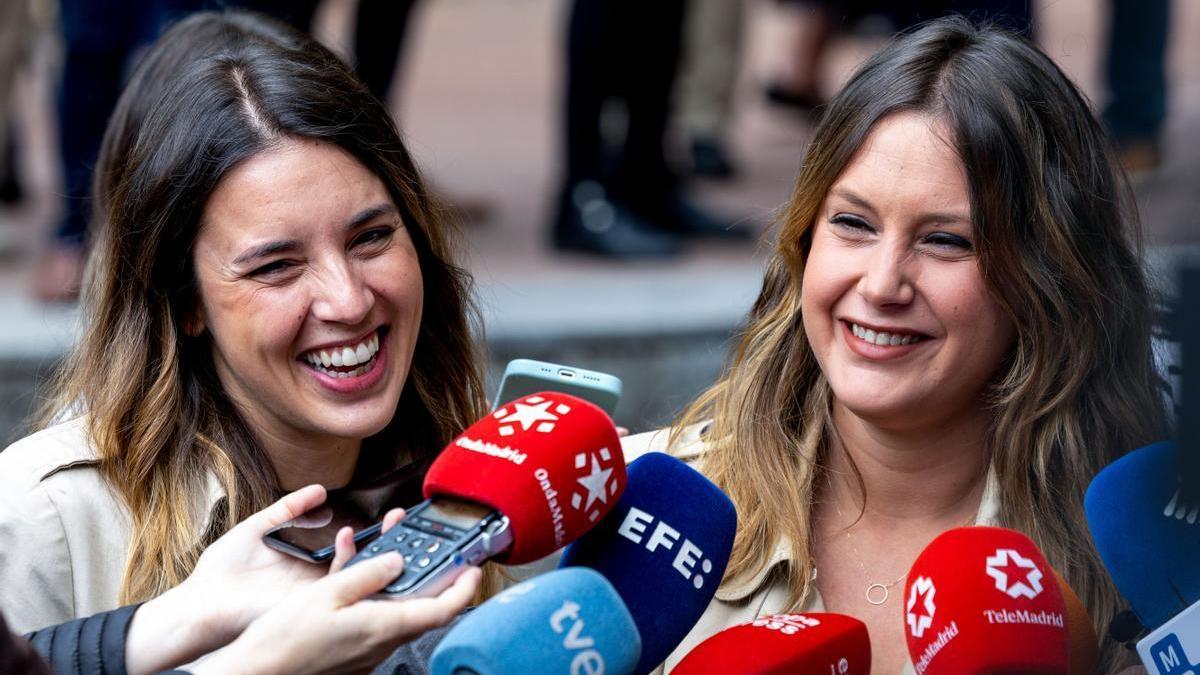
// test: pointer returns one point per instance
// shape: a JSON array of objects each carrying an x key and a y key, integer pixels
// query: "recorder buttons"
[
  {"x": 416, "y": 543},
  {"x": 432, "y": 548},
  {"x": 399, "y": 538},
  {"x": 423, "y": 562}
]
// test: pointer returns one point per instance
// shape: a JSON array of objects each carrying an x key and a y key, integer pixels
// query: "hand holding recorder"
[{"x": 515, "y": 486}]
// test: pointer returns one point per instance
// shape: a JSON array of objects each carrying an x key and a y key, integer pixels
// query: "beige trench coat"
[{"x": 64, "y": 534}]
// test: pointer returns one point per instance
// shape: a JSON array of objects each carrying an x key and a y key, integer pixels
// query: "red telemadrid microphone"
[
  {"x": 984, "y": 600},
  {"x": 1082, "y": 642},
  {"x": 783, "y": 644},
  {"x": 550, "y": 462}
]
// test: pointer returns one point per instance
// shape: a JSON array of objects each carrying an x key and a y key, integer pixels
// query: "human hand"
[
  {"x": 332, "y": 626},
  {"x": 236, "y": 580}
]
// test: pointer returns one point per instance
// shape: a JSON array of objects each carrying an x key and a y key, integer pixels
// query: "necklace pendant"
[{"x": 873, "y": 595}]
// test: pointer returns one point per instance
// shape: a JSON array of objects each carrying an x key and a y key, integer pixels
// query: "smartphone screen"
[{"x": 311, "y": 536}]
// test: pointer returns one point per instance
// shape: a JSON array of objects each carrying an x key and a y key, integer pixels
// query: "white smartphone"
[{"x": 523, "y": 377}]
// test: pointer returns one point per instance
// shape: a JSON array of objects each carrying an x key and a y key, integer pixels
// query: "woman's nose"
[
  {"x": 341, "y": 295},
  {"x": 885, "y": 279}
]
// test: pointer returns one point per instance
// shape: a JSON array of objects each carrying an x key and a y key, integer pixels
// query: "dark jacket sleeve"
[{"x": 95, "y": 644}]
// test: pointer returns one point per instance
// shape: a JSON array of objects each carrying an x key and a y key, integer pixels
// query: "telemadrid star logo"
[
  {"x": 533, "y": 412},
  {"x": 1015, "y": 576},
  {"x": 919, "y": 621},
  {"x": 598, "y": 484}
]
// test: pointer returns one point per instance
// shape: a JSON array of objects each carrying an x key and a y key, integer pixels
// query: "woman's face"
[
  {"x": 310, "y": 292},
  {"x": 894, "y": 304}
]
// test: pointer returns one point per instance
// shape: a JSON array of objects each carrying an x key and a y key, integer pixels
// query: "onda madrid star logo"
[
  {"x": 598, "y": 484},
  {"x": 788, "y": 624},
  {"x": 533, "y": 412},
  {"x": 921, "y": 619},
  {"x": 1015, "y": 575}
]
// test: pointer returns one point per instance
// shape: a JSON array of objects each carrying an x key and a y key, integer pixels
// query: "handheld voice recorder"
[{"x": 439, "y": 538}]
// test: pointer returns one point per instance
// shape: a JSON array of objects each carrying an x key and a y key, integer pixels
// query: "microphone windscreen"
[
  {"x": 664, "y": 548},
  {"x": 1082, "y": 642},
  {"x": 1147, "y": 534},
  {"x": 784, "y": 644},
  {"x": 984, "y": 600},
  {"x": 565, "y": 621},
  {"x": 551, "y": 462}
]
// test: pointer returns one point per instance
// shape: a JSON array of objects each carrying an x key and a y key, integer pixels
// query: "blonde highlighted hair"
[{"x": 1059, "y": 247}]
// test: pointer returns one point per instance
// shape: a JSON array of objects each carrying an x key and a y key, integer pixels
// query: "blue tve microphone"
[
  {"x": 664, "y": 547},
  {"x": 1148, "y": 535},
  {"x": 566, "y": 621}
]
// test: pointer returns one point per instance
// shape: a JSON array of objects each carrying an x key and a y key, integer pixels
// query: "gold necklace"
[
  {"x": 874, "y": 588},
  {"x": 885, "y": 588}
]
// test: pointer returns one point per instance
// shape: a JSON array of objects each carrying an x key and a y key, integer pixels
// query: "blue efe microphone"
[
  {"x": 664, "y": 547},
  {"x": 565, "y": 621},
  {"x": 1148, "y": 535}
]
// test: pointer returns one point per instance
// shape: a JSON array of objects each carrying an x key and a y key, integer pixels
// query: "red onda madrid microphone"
[
  {"x": 550, "y": 462},
  {"x": 783, "y": 644},
  {"x": 984, "y": 600}
]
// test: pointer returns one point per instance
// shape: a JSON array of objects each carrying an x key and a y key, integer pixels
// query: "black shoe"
[
  {"x": 710, "y": 159},
  {"x": 673, "y": 214},
  {"x": 589, "y": 222}
]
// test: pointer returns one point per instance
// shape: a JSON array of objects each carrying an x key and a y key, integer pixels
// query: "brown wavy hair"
[
  {"x": 215, "y": 90},
  {"x": 1059, "y": 248}
]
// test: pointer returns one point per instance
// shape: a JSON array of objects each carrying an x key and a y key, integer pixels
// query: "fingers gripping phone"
[{"x": 523, "y": 377}]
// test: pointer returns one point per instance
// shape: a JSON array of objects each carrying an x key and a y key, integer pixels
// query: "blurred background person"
[
  {"x": 704, "y": 98},
  {"x": 1135, "y": 68},
  {"x": 619, "y": 198}
]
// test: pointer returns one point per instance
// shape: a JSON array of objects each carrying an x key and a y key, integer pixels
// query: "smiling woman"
[
  {"x": 954, "y": 328},
  {"x": 271, "y": 302}
]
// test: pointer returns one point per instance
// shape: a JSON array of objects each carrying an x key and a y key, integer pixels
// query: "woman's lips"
[
  {"x": 360, "y": 376},
  {"x": 880, "y": 345}
]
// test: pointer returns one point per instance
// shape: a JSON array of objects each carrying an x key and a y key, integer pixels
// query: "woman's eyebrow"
[
  {"x": 371, "y": 213},
  {"x": 931, "y": 217},
  {"x": 267, "y": 249}
]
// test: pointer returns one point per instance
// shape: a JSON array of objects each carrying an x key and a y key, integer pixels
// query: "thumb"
[
  {"x": 290, "y": 507},
  {"x": 355, "y": 583}
]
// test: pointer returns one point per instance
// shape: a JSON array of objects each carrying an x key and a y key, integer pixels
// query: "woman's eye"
[
  {"x": 846, "y": 221},
  {"x": 374, "y": 237},
  {"x": 950, "y": 241},
  {"x": 275, "y": 268}
]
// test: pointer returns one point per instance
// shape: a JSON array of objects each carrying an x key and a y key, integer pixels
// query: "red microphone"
[
  {"x": 984, "y": 600},
  {"x": 1082, "y": 642},
  {"x": 550, "y": 462},
  {"x": 782, "y": 644}
]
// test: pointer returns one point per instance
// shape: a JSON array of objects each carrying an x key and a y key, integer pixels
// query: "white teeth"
[
  {"x": 881, "y": 338},
  {"x": 345, "y": 357}
]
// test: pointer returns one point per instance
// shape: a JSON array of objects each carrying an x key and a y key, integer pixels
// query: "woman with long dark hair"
[{"x": 272, "y": 301}]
